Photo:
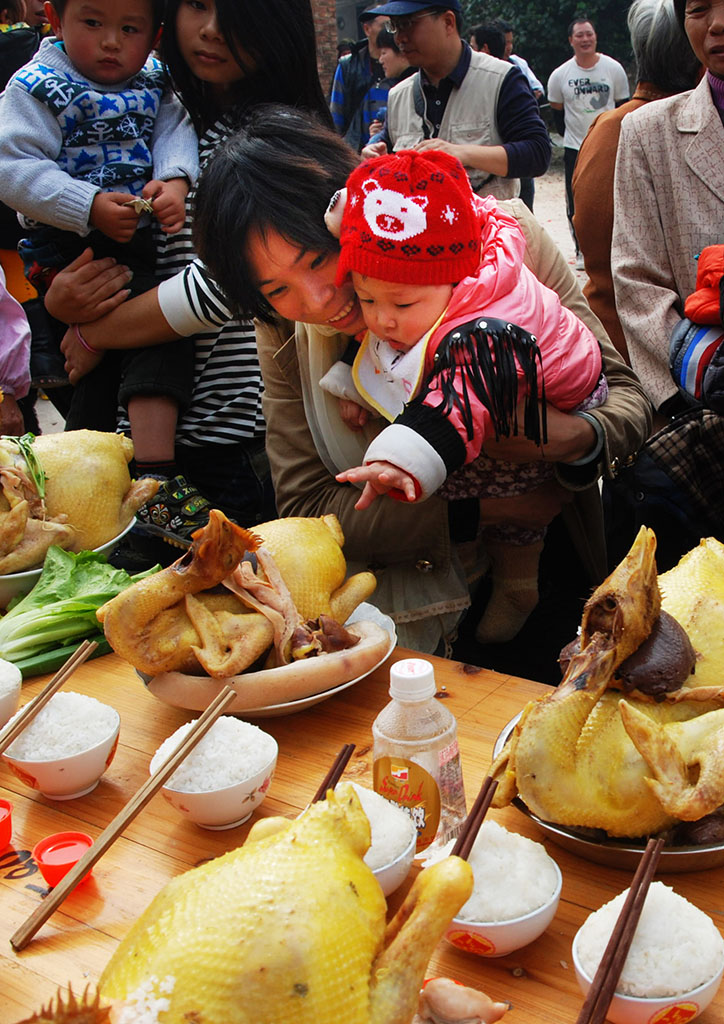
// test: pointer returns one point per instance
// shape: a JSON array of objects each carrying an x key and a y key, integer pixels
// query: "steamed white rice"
[
  {"x": 230, "y": 752},
  {"x": 68, "y": 724},
  {"x": 10, "y": 678},
  {"x": 513, "y": 876},
  {"x": 392, "y": 828},
  {"x": 676, "y": 948}
]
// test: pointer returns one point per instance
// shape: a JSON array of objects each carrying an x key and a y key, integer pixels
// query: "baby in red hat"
[{"x": 458, "y": 331}]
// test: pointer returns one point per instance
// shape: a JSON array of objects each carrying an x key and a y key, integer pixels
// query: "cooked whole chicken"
[
  {"x": 289, "y": 928},
  {"x": 89, "y": 497},
  {"x": 173, "y": 622},
  {"x": 585, "y": 756}
]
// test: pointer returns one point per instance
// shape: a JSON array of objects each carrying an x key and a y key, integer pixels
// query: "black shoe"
[{"x": 175, "y": 512}]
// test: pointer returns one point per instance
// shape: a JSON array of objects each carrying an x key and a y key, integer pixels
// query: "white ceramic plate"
[
  {"x": 366, "y": 612},
  {"x": 615, "y": 853},
  {"x": 21, "y": 583}
]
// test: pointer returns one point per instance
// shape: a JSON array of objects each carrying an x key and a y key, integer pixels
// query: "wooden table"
[{"x": 77, "y": 941}]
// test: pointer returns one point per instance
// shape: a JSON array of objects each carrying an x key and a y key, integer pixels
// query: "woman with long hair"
[{"x": 222, "y": 57}]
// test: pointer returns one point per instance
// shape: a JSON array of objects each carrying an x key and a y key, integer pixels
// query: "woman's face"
[
  {"x": 704, "y": 24},
  {"x": 204, "y": 48},
  {"x": 299, "y": 284}
]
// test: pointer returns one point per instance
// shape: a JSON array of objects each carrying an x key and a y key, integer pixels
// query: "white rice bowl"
[
  {"x": 513, "y": 876},
  {"x": 10, "y": 682},
  {"x": 231, "y": 752},
  {"x": 676, "y": 948},
  {"x": 392, "y": 829},
  {"x": 69, "y": 724}
]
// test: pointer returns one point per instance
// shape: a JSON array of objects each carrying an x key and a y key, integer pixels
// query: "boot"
[{"x": 514, "y": 574}]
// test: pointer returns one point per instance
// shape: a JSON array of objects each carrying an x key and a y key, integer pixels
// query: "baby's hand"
[
  {"x": 110, "y": 215},
  {"x": 169, "y": 202},
  {"x": 379, "y": 478},
  {"x": 353, "y": 415}
]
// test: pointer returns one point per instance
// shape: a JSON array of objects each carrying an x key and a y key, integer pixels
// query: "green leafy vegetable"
[
  {"x": 61, "y": 607},
  {"x": 34, "y": 466}
]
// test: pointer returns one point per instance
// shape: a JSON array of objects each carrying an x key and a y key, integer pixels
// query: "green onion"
[{"x": 34, "y": 466}]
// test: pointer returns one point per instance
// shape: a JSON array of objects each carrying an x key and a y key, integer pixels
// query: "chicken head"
[{"x": 584, "y": 757}]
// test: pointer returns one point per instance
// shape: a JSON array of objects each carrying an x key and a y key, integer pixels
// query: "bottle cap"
[{"x": 412, "y": 679}]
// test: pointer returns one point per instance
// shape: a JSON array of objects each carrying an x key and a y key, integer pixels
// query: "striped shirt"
[{"x": 226, "y": 403}]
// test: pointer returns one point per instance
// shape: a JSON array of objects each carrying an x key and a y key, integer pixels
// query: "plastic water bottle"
[{"x": 416, "y": 756}]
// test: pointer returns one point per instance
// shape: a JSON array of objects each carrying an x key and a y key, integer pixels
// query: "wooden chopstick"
[
  {"x": 13, "y": 729},
  {"x": 335, "y": 772},
  {"x": 137, "y": 802},
  {"x": 603, "y": 986},
  {"x": 471, "y": 825}
]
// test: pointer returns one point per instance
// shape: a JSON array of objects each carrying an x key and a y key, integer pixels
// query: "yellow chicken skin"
[
  {"x": 88, "y": 494},
  {"x": 693, "y": 592},
  {"x": 287, "y": 929},
  {"x": 153, "y": 623},
  {"x": 170, "y": 622},
  {"x": 308, "y": 554},
  {"x": 584, "y": 757}
]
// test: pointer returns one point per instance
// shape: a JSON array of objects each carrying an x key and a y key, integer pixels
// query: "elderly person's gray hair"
[{"x": 662, "y": 51}]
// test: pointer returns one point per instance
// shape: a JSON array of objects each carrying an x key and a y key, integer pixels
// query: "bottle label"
[{"x": 415, "y": 790}]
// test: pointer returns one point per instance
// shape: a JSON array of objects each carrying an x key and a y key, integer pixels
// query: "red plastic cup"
[
  {"x": 6, "y": 823},
  {"x": 57, "y": 854}
]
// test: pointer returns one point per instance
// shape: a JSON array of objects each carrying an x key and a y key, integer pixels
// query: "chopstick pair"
[
  {"x": 603, "y": 986},
  {"x": 471, "y": 825},
  {"x": 13, "y": 729},
  {"x": 335, "y": 772},
  {"x": 109, "y": 835}
]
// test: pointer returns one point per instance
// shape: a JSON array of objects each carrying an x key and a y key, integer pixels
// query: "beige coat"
[
  {"x": 420, "y": 576},
  {"x": 668, "y": 205},
  {"x": 470, "y": 118}
]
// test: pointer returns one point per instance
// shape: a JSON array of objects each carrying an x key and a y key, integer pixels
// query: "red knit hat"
[{"x": 410, "y": 218}]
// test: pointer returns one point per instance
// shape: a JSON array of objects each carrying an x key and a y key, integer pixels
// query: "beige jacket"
[
  {"x": 470, "y": 118},
  {"x": 420, "y": 578},
  {"x": 668, "y": 205}
]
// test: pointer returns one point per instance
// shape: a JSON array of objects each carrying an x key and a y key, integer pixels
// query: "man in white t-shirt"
[{"x": 579, "y": 90}]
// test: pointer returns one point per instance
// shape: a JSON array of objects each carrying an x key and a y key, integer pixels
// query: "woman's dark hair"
[
  {"x": 15, "y": 10},
  {"x": 662, "y": 51},
  {"x": 386, "y": 41},
  {"x": 157, "y": 11},
  {"x": 276, "y": 174},
  {"x": 277, "y": 35}
]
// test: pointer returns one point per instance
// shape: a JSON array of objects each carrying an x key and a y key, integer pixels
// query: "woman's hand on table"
[
  {"x": 569, "y": 438},
  {"x": 87, "y": 289},
  {"x": 78, "y": 360}
]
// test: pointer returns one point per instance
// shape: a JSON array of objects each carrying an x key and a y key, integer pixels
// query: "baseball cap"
[
  {"x": 398, "y": 8},
  {"x": 368, "y": 15}
]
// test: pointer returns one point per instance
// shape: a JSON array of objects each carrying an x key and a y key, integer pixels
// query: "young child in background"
[
  {"x": 93, "y": 140},
  {"x": 457, "y": 327}
]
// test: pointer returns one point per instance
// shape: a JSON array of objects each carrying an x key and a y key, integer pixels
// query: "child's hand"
[
  {"x": 353, "y": 415},
  {"x": 169, "y": 202},
  {"x": 379, "y": 478},
  {"x": 110, "y": 215}
]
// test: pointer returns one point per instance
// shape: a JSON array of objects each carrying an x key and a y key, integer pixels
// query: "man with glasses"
[{"x": 474, "y": 106}]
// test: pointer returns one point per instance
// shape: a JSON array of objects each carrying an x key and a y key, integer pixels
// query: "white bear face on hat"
[{"x": 392, "y": 215}]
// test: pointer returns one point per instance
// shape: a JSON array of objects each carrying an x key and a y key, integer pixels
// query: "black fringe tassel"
[{"x": 486, "y": 354}]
